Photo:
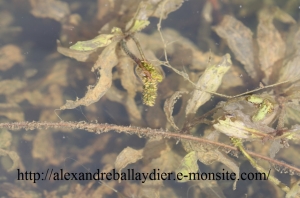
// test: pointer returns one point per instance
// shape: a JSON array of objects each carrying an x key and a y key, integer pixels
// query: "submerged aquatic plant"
[
  {"x": 263, "y": 120},
  {"x": 147, "y": 72}
]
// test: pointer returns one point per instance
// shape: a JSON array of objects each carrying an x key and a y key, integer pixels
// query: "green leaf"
[
  {"x": 99, "y": 41},
  {"x": 139, "y": 25},
  {"x": 116, "y": 30}
]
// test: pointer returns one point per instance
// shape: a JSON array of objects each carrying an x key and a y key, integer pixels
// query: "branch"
[{"x": 141, "y": 132}]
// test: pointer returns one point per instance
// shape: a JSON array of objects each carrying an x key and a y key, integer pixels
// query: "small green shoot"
[
  {"x": 239, "y": 144},
  {"x": 265, "y": 106},
  {"x": 263, "y": 109}
]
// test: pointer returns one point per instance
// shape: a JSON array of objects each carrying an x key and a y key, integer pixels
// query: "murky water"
[{"x": 43, "y": 80}]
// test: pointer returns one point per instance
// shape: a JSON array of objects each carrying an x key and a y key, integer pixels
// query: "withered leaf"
[
  {"x": 283, "y": 16},
  {"x": 139, "y": 25},
  {"x": 13, "y": 156},
  {"x": 271, "y": 45},
  {"x": 43, "y": 147},
  {"x": 211, "y": 188},
  {"x": 233, "y": 128},
  {"x": 150, "y": 8},
  {"x": 289, "y": 70},
  {"x": 239, "y": 40},
  {"x": 128, "y": 80},
  {"x": 163, "y": 8},
  {"x": 292, "y": 113},
  {"x": 210, "y": 80},
  {"x": 12, "y": 111},
  {"x": 58, "y": 74},
  {"x": 159, "y": 152},
  {"x": 8, "y": 87},
  {"x": 208, "y": 155},
  {"x": 107, "y": 58},
  {"x": 205, "y": 153},
  {"x": 241, "y": 126},
  {"x": 14, "y": 190},
  {"x": 169, "y": 106},
  {"x": 5, "y": 139},
  {"x": 34, "y": 97},
  {"x": 151, "y": 189},
  {"x": 224, "y": 159},
  {"x": 106, "y": 61},
  {"x": 9, "y": 56},
  {"x": 188, "y": 165},
  {"x": 127, "y": 156},
  {"x": 53, "y": 9},
  {"x": 275, "y": 147}
]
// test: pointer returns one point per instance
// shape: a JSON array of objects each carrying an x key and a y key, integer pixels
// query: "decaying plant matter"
[{"x": 187, "y": 104}]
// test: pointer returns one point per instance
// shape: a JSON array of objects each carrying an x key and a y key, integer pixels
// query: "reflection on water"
[{"x": 43, "y": 80}]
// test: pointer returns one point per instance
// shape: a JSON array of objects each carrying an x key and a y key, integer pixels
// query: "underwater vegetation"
[{"x": 177, "y": 87}]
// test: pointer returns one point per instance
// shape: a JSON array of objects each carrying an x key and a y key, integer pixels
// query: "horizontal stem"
[{"x": 141, "y": 132}]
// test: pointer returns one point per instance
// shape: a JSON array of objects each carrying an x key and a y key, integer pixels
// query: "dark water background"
[{"x": 36, "y": 38}]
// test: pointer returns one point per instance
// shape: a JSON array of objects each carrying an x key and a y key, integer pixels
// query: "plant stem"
[{"x": 141, "y": 132}]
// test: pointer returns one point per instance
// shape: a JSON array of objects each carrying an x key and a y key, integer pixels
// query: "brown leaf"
[
  {"x": 127, "y": 156},
  {"x": 9, "y": 56},
  {"x": 108, "y": 57},
  {"x": 105, "y": 7},
  {"x": 44, "y": 148},
  {"x": 125, "y": 69},
  {"x": 5, "y": 139},
  {"x": 53, "y": 9},
  {"x": 85, "y": 155},
  {"x": 188, "y": 165},
  {"x": 58, "y": 74},
  {"x": 283, "y": 16},
  {"x": 157, "y": 9},
  {"x": 208, "y": 155},
  {"x": 12, "y": 111},
  {"x": 163, "y": 8},
  {"x": 289, "y": 70},
  {"x": 13, "y": 156},
  {"x": 161, "y": 153},
  {"x": 271, "y": 45},
  {"x": 7, "y": 87},
  {"x": 15, "y": 190},
  {"x": 239, "y": 40},
  {"x": 231, "y": 164},
  {"x": 210, "y": 80},
  {"x": 106, "y": 61},
  {"x": 169, "y": 106},
  {"x": 34, "y": 97}
]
